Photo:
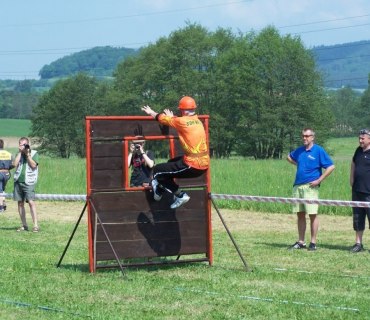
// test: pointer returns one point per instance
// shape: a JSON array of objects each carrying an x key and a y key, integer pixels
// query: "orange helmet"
[{"x": 187, "y": 103}]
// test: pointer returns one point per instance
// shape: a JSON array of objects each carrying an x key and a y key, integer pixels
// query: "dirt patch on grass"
[
  {"x": 11, "y": 142},
  {"x": 236, "y": 220},
  {"x": 258, "y": 221},
  {"x": 59, "y": 211}
]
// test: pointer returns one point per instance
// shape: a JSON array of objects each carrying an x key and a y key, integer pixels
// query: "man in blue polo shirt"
[{"x": 310, "y": 159}]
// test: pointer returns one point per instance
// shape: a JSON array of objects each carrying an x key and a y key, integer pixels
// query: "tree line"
[{"x": 260, "y": 90}]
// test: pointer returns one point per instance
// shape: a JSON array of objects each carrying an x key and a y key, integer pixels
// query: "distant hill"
[
  {"x": 98, "y": 62},
  {"x": 345, "y": 64}
]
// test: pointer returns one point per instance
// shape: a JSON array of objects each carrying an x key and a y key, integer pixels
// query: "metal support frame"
[
  {"x": 104, "y": 231},
  {"x": 230, "y": 236}
]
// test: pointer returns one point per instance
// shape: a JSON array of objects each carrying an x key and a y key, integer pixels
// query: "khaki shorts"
[
  {"x": 23, "y": 192},
  {"x": 305, "y": 191}
]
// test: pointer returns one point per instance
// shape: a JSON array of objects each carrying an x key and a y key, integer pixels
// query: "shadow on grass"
[
  {"x": 319, "y": 245},
  {"x": 75, "y": 267},
  {"x": 148, "y": 268},
  {"x": 9, "y": 228}
]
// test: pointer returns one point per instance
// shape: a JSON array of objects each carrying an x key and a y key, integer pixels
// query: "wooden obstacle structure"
[{"x": 126, "y": 227}]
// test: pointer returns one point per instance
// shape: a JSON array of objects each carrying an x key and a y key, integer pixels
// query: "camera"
[
  {"x": 137, "y": 146},
  {"x": 26, "y": 146}
]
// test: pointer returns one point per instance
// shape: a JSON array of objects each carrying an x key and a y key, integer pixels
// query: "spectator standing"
[
  {"x": 6, "y": 163},
  {"x": 25, "y": 179},
  {"x": 360, "y": 183},
  {"x": 310, "y": 159},
  {"x": 193, "y": 140},
  {"x": 142, "y": 163}
]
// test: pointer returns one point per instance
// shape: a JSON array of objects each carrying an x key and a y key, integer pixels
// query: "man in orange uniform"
[{"x": 193, "y": 140}]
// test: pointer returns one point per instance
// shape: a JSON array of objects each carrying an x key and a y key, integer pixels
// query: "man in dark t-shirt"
[
  {"x": 360, "y": 183},
  {"x": 142, "y": 163}
]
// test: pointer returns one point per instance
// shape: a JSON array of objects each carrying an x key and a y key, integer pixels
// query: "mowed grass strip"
[{"x": 329, "y": 283}]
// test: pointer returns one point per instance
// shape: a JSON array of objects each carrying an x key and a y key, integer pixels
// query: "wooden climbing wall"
[{"x": 126, "y": 226}]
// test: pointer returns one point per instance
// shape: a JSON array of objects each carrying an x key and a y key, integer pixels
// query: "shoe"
[
  {"x": 23, "y": 228},
  {"x": 35, "y": 229},
  {"x": 312, "y": 247},
  {"x": 357, "y": 248},
  {"x": 297, "y": 245},
  {"x": 181, "y": 199},
  {"x": 157, "y": 190}
]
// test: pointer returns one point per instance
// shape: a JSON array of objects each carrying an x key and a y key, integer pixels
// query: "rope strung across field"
[
  {"x": 340, "y": 203},
  {"x": 54, "y": 197}
]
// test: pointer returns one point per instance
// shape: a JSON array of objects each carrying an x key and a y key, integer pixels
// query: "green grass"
[
  {"x": 14, "y": 127},
  {"x": 327, "y": 284},
  {"x": 330, "y": 283}
]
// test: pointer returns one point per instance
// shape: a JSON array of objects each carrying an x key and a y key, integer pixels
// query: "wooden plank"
[
  {"x": 149, "y": 231},
  {"x": 166, "y": 215},
  {"x": 122, "y": 128},
  {"x": 156, "y": 248},
  {"x": 129, "y": 206},
  {"x": 106, "y": 179},
  {"x": 143, "y": 200},
  {"x": 106, "y": 149},
  {"x": 108, "y": 163}
]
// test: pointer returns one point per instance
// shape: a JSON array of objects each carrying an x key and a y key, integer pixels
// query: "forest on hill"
[
  {"x": 344, "y": 65},
  {"x": 341, "y": 65},
  {"x": 97, "y": 62}
]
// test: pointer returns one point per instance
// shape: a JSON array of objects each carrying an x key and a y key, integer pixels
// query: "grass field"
[
  {"x": 14, "y": 128},
  {"x": 329, "y": 283}
]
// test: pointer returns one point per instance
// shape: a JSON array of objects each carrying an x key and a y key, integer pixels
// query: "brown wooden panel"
[
  {"x": 126, "y": 206},
  {"x": 200, "y": 181},
  {"x": 121, "y": 128},
  {"x": 151, "y": 231},
  {"x": 143, "y": 200},
  {"x": 114, "y": 163},
  {"x": 155, "y": 248},
  {"x": 157, "y": 216},
  {"x": 106, "y": 179},
  {"x": 104, "y": 149}
]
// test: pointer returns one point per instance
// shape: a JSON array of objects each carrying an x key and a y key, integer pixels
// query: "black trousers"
[
  {"x": 359, "y": 214},
  {"x": 164, "y": 173}
]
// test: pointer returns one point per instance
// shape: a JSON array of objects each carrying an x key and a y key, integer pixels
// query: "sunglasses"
[
  {"x": 364, "y": 131},
  {"x": 307, "y": 135}
]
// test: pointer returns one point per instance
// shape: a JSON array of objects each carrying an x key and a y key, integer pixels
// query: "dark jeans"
[
  {"x": 164, "y": 173},
  {"x": 359, "y": 214}
]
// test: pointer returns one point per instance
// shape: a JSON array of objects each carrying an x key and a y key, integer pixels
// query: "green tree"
[
  {"x": 345, "y": 105},
  {"x": 363, "y": 114},
  {"x": 59, "y": 118},
  {"x": 260, "y": 89},
  {"x": 270, "y": 93}
]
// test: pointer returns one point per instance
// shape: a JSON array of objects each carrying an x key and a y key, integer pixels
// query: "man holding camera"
[
  {"x": 25, "y": 179},
  {"x": 142, "y": 163}
]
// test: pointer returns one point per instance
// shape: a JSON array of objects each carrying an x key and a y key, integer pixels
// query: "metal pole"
[
  {"x": 229, "y": 233},
  {"x": 106, "y": 236},
  {"x": 72, "y": 235}
]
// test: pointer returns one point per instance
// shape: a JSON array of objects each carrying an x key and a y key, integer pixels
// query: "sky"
[{"x": 38, "y": 32}]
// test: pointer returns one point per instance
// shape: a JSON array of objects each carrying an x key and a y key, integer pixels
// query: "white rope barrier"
[
  {"x": 339, "y": 203},
  {"x": 54, "y": 197}
]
